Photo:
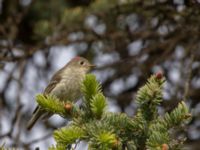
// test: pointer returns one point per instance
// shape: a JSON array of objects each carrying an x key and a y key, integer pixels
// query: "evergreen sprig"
[
  {"x": 151, "y": 92},
  {"x": 90, "y": 87},
  {"x": 177, "y": 116},
  {"x": 104, "y": 140},
  {"x": 92, "y": 97},
  {"x": 51, "y": 104},
  {"x": 54, "y": 106},
  {"x": 159, "y": 131},
  {"x": 98, "y": 105},
  {"x": 149, "y": 97},
  {"x": 68, "y": 135},
  {"x": 101, "y": 135}
]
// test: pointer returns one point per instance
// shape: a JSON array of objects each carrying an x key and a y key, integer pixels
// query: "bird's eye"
[{"x": 82, "y": 62}]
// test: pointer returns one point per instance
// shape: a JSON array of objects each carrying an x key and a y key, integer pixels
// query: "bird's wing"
[
  {"x": 38, "y": 112},
  {"x": 50, "y": 87},
  {"x": 54, "y": 81}
]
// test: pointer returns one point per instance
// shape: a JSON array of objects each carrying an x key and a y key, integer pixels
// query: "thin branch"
[{"x": 188, "y": 79}]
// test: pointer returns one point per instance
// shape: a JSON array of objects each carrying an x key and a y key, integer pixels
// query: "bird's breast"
[{"x": 69, "y": 88}]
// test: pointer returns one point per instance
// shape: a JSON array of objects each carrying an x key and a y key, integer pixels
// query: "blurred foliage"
[{"x": 128, "y": 39}]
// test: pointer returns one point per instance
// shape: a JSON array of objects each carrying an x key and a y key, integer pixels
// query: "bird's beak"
[{"x": 92, "y": 66}]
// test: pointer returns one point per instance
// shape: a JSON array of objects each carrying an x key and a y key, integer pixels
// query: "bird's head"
[{"x": 80, "y": 63}]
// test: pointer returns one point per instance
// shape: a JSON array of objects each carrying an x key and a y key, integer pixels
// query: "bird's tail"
[{"x": 36, "y": 115}]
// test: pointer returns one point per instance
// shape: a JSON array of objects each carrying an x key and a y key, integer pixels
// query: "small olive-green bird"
[{"x": 64, "y": 85}]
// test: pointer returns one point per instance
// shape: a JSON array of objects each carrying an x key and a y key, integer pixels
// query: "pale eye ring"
[{"x": 82, "y": 63}]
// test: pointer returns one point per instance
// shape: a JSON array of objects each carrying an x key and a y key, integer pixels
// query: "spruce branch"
[
  {"x": 157, "y": 139},
  {"x": 68, "y": 135},
  {"x": 150, "y": 92},
  {"x": 124, "y": 125},
  {"x": 90, "y": 87},
  {"x": 149, "y": 97},
  {"x": 159, "y": 131},
  {"x": 175, "y": 118},
  {"x": 53, "y": 105},
  {"x": 104, "y": 140},
  {"x": 91, "y": 90},
  {"x": 116, "y": 131},
  {"x": 98, "y": 105}
]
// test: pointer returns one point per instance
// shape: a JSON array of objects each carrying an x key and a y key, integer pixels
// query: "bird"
[{"x": 65, "y": 85}]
